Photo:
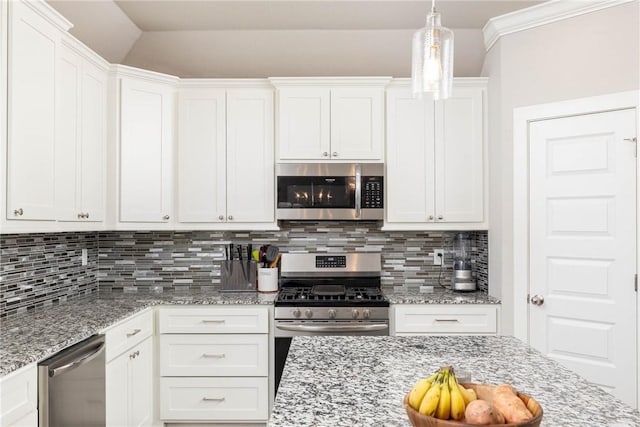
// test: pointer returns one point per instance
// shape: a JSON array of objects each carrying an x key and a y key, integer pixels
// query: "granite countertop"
[
  {"x": 36, "y": 335},
  {"x": 439, "y": 295},
  {"x": 361, "y": 381}
]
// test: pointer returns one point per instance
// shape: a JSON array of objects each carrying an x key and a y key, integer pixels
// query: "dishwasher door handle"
[{"x": 79, "y": 361}]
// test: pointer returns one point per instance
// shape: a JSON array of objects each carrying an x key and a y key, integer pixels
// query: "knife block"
[{"x": 238, "y": 275}]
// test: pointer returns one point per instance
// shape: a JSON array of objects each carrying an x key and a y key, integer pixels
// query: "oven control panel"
[{"x": 331, "y": 261}]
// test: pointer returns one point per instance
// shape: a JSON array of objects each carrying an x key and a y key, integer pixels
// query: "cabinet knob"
[
  {"x": 166, "y": 217},
  {"x": 325, "y": 154},
  {"x": 18, "y": 212},
  {"x": 230, "y": 217},
  {"x": 430, "y": 217},
  {"x": 440, "y": 217},
  {"x": 86, "y": 215},
  {"x": 221, "y": 217},
  {"x": 80, "y": 215},
  {"x": 335, "y": 154}
]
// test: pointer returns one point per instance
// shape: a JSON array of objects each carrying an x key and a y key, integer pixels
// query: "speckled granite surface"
[
  {"x": 34, "y": 336},
  {"x": 402, "y": 295},
  {"x": 361, "y": 381}
]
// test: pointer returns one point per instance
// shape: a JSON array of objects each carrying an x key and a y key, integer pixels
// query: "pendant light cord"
[{"x": 433, "y": 6}]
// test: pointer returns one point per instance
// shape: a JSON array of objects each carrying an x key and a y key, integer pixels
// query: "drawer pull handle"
[
  {"x": 212, "y": 320},
  {"x": 135, "y": 332},
  {"x": 447, "y": 320},
  {"x": 214, "y": 355},
  {"x": 213, "y": 399}
]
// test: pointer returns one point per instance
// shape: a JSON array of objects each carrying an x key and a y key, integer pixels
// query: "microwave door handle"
[{"x": 358, "y": 190}]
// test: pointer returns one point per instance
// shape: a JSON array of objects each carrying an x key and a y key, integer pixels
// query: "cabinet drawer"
[
  {"x": 445, "y": 319},
  {"x": 213, "y": 398},
  {"x": 214, "y": 355},
  {"x": 128, "y": 333},
  {"x": 214, "y": 320},
  {"x": 18, "y": 395}
]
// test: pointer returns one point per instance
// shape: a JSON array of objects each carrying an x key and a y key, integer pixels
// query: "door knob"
[{"x": 537, "y": 300}]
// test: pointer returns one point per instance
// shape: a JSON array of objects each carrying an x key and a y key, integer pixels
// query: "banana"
[
  {"x": 419, "y": 390},
  {"x": 444, "y": 404},
  {"x": 458, "y": 404},
  {"x": 469, "y": 394},
  {"x": 430, "y": 401}
]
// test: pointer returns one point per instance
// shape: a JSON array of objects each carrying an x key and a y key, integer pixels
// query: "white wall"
[{"x": 589, "y": 55}]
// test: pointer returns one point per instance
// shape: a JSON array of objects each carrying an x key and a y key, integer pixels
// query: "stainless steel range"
[{"x": 328, "y": 294}]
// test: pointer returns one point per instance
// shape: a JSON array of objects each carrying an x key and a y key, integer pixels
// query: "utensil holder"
[
  {"x": 238, "y": 275},
  {"x": 267, "y": 279}
]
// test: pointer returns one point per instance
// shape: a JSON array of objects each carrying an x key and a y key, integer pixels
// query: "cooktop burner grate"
[{"x": 347, "y": 294}]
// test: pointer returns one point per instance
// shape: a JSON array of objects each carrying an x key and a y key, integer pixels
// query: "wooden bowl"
[{"x": 419, "y": 420}]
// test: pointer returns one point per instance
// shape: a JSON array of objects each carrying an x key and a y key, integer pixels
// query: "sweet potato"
[
  {"x": 483, "y": 413},
  {"x": 484, "y": 391},
  {"x": 510, "y": 405}
]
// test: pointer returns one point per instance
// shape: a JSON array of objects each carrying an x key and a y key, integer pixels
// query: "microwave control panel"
[{"x": 372, "y": 192}]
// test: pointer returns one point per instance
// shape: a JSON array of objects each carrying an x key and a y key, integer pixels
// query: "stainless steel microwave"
[{"x": 330, "y": 191}]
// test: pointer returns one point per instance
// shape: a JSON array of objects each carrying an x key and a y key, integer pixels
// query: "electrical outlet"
[
  {"x": 85, "y": 257},
  {"x": 438, "y": 256}
]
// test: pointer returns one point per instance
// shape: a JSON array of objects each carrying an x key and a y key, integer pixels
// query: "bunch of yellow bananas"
[{"x": 441, "y": 396}]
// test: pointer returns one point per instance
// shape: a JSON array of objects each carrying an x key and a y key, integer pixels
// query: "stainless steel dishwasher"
[{"x": 71, "y": 388}]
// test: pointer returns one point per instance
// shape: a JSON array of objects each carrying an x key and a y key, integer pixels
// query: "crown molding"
[
  {"x": 405, "y": 82},
  {"x": 43, "y": 9},
  {"x": 225, "y": 83},
  {"x": 139, "y": 73},
  {"x": 279, "y": 82},
  {"x": 541, "y": 14},
  {"x": 86, "y": 52}
]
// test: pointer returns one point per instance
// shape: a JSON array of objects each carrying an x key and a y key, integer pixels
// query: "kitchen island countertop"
[{"x": 361, "y": 381}]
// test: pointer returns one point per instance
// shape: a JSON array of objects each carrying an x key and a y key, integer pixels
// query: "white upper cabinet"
[
  {"x": 436, "y": 159},
  {"x": 146, "y": 143},
  {"x": 33, "y": 44},
  {"x": 201, "y": 155},
  {"x": 250, "y": 156},
  {"x": 80, "y": 138},
  {"x": 330, "y": 119},
  {"x": 226, "y": 155}
]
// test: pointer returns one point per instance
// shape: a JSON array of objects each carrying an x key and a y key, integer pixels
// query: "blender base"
[{"x": 463, "y": 286}]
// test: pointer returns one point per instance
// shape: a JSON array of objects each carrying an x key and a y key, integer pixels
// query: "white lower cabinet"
[
  {"x": 214, "y": 364},
  {"x": 445, "y": 319},
  {"x": 129, "y": 372},
  {"x": 19, "y": 398}
]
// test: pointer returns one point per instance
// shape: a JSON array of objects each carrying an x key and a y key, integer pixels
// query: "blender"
[{"x": 462, "y": 279}]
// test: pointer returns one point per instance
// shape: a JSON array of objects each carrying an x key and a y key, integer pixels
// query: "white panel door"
[
  {"x": 202, "y": 155},
  {"x": 93, "y": 142},
  {"x": 68, "y": 151},
  {"x": 141, "y": 385},
  {"x": 357, "y": 123},
  {"x": 409, "y": 194},
  {"x": 33, "y": 44},
  {"x": 459, "y": 157},
  {"x": 250, "y": 156},
  {"x": 145, "y": 151},
  {"x": 583, "y": 246},
  {"x": 117, "y": 404},
  {"x": 303, "y": 123}
]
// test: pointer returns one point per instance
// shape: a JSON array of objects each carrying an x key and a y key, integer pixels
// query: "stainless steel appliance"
[
  {"x": 462, "y": 278},
  {"x": 328, "y": 294},
  {"x": 338, "y": 191},
  {"x": 71, "y": 386}
]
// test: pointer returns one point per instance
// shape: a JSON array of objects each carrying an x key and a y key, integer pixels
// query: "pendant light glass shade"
[{"x": 432, "y": 59}]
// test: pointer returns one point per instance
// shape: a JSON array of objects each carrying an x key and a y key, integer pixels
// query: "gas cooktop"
[{"x": 333, "y": 295}]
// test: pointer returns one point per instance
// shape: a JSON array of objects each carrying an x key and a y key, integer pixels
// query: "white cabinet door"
[
  {"x": 129, "y": 387},
  {"x": 141, "y": 385},
  {"x": 410, "y": 158},
  {"x": 80, "y": 138},
  {"x": 459, "y": 158},
  {"x": 33, "y": 44},
  {"x": 202, "y": 155},
  {"x": 250, "y": 156},
  {"x": 145, "y": 151},
  {"x": 68, "y": 147},
  {"x": 357, "y": 123},
  {"x": 303, "y": 123},
  {"x": 93, "y": 134}
]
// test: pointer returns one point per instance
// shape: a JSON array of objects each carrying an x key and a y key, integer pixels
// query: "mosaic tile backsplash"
[
  {"x": 192, "y": 259},
  {"x": 43, "y": 269}
]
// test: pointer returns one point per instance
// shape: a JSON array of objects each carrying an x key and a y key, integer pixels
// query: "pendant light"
[{"x": 432, "y": 58}]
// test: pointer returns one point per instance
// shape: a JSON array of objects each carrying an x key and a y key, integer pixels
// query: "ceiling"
[{"x": 262, "y": 38}]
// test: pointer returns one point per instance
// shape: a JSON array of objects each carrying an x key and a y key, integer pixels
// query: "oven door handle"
[{"x": 334, "y": 328}]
